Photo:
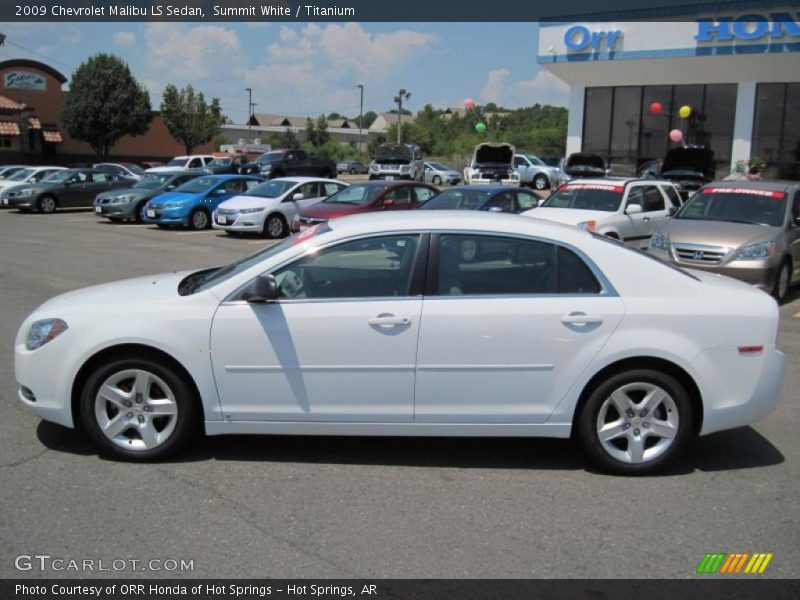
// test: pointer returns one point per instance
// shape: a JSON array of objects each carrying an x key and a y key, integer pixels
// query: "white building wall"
[
  {"x": 577, "y": 97},
  {"x": 743, "y": 122}
]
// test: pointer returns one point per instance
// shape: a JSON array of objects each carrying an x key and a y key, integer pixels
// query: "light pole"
[
  {"x": 249, "y": 113},
  {"x": 402, "y": 94},
  {"x": 360, "y": 86}
]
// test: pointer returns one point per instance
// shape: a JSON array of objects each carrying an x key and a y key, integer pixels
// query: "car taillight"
[{"x": 750, "y": 350}]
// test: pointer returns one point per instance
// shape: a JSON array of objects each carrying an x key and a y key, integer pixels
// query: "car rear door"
[{"x": 507, "y": 329}]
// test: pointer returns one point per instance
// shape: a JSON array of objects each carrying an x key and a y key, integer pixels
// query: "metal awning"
[
  {"x": 34, "y": 123},
  {"x": 51, "y": 136},
  {"x": 9, "y": 128}
]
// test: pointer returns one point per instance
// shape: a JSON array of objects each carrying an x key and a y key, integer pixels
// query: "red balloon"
[{"x": 655, "y": 108}]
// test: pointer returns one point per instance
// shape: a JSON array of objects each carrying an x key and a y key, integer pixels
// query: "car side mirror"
[
  {"x": 495, "y": 209},
  {"x": 298, "y": 196},
  {"x": 540, "y": 202},
  {"x": 261, "y": 290},
  {"x": 633, "y": 209},
  {"x": 388, "y": 202}
]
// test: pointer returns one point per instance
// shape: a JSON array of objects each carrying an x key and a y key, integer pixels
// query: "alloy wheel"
[
  {"x": 540, "y": 182},
  {"x": 199, "y": 220},
  {"x": 782, "y": 285},
  {"x": 47, "y": 205}
]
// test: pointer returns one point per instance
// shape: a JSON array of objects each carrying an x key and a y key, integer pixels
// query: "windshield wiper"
[{"x": 195, "y": 280}]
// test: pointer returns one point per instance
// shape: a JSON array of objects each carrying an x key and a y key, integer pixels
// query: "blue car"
[
  {"x": 491, "y": 198},
  {"x": 192, "y": 203}
]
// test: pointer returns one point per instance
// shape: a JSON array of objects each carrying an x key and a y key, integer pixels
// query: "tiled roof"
[
  {"x": 8, "y": 104},
  {"x": 9, "y": 128},
  {"x": 52, "y": 136},
  {"x": 34, "y": 123}
]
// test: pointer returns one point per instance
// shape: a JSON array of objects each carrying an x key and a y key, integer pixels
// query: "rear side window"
[
  {"x": 574, "y": 275},
  {"x": 653, "y": 200}
]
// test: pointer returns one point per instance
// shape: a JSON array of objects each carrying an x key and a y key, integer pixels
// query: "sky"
[{"x": 309, "y": 69}]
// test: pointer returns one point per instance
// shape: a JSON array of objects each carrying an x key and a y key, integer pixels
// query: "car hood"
[
  {"x": 240, "y": 202},
  {"x": 717, "y": 233},
  {"x": 568, "y": 216},
  {"x": 684, "y": 160},
  {"x": 393, "y": 152},
  {"x": 125, "y": 192},
  {"x": 581, "y": 163},
  {"x": 134, "y": 291},
  {"x": 493, "y": 154},
  {"x": 168, "y": 197},
  {"x": 330, "y": 210}
]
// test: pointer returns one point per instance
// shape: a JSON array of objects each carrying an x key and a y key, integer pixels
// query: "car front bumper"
[
  {"x": 116, "y": 211},
  {"x": 243, "y": 223},
  {"x": 167, "y": 216},
  {"x": 19, "y": 202},
  {"x": 760, "y": 273}
]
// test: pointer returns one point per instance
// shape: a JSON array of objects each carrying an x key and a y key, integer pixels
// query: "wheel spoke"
[
  {"x": 636, "y": 448},
  {"x": 142, "y": 385},
  {"x": 663, "y": 429},
  {"x": 163, "y": 407},
  {"x": 149, "y": 434},
  {"x": 116, "y": 426},
  {"x": 651, "y": 401},
  {"x": 114, "y": 395},
  {"x": 611, "y": 431},
  {"x": 621, "y": 402}
]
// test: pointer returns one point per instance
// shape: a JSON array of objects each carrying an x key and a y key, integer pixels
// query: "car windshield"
[
  {"x": 58, "y": 176},
  {"x": 271, "y": 189},
  {"x": 22, "y": 175},
  {"x": 455, "y": 199},
  {"x": 269, "y": 157},
  {"x": 220, "y": 162},
  {"x": 197, "y": 186},
  {"x": 736, "y": 205},
  {"x": 177, "y": 162},
  {"x": 153, "y": 181},
  {"x": 535, "y": 160},
  {"x": 133, "y": 168},
  {"x": 356, "y": 194},
  {"x": 202, "y": 280},
  {"x": 587, "y": 196}
]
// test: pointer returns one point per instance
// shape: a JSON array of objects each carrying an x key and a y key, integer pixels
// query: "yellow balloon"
[{"x": 685, "y": 111}]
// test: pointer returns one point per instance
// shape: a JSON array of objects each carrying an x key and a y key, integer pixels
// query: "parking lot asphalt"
[{"x": 362, "y": 507}]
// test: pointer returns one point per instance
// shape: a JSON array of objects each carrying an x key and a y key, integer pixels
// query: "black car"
[
  {"x": 491, "y": 198},
  {"x": 288, "y": 163},
  {"x": 227, "y": 165},
  {"x": 65, "y": 189},
  {"x": 689, "y": 167}
]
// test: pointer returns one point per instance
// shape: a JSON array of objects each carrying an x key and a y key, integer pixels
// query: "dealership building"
[{"x": 739, "y": 73}]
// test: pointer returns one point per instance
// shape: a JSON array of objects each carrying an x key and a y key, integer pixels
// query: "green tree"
[
  {"x": 311, "y": 131},
  {"x": 369, "y": 118},
  {"x": 322, "y": 131},
  {"x": 189, "y": 118},
  {"x": 105, "y": 102}
]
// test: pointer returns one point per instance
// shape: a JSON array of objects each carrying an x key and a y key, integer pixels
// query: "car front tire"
[
  {"x": 275, "y": 226},
  {"x": 635, "y": 422},
  {"x": 540, "y": 182},
  {"x": 137, "y": 409},
  {"x": 199, "y": 220},
  {"x": 782, "y": 281},
  {"x": 47, "y": 205}
]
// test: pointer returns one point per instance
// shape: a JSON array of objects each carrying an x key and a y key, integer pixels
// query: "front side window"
[
  {"x": 500, "y": 203},
  {"x": 399, "y": 196},
  {"x": 526, "y": 201},
  {"x": 423, "y": 194},
  {"x": 309, "y": 190},
  {"x": 486, "y": 265},
  {"x": 331, "y": 188},
  {"x": 635, "y": 196},
  {"x": 366, "y": 268},
  {"x": 195, "y": 163},
  {"x": 101, "y": 177}
]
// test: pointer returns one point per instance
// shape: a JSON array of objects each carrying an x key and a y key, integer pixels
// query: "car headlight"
[
  {"x": 588, "y": 225},
  {"x": 756, "y": 251},
  {"x": 659, "y": 242},
  {"x": 405, "y": 168},
  {"x": 26, "y": 192},
  {"x": 44, "y": 331},
  {"x": 122, "y": 199},
  {"x": 373, "y": 168},
  {"x": 250, "y": 211},
  {"x": 265, "y": 168}
]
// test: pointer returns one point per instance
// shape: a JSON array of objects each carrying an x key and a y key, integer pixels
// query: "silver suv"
[{"x": 397, "y": 161}]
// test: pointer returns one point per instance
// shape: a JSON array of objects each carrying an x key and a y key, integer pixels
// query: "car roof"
[
  {"x": 304, "y": 179},
  {"x": 390, "y": 183},
  {"x": 491, "y": 188},
  {"x": 773, "y": 185},
  {"x": 618, "y": 180},
  {"x": 225, "y": 176}
]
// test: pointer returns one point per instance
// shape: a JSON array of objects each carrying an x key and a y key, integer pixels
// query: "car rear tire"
[
  {"x": 541, "y": 182},
  {"x": 137, "y": 409},
  {"x": 47, "y": 205},
  {"x": 635, "y": 422},
  {"x": 275, "y": 226},
  {"x": 352, "y": 171},
  {"x": 199, "y": 219},
  {"x": 436, "y": 180},
  {"x": 782, "y": 281}
]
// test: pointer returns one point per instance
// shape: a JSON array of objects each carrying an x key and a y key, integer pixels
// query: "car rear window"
[{"x": 587, "y": 196}]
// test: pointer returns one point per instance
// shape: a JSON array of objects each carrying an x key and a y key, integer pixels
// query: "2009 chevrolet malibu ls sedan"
[{"x": 375, "y": 325}]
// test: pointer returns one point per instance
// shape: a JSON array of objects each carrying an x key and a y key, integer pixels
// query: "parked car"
[
  {"x": 365, "y": 197},
  {"x": 689, "y": 167},
  {"x": 371, "y": 325},
  {"x": 290, "y": 163},
  {"x": 191, "y": 204},
  {"x": 749, "y": 230},
  {"x": 625, "y": 209},
  {"x": 127, "y": 204},
  {"x": 492, "y": 163},
  {"x": 584, "y": 164},
  {"x": 227, "y": 164},
  {"x": 438, "y": 174},
  {"x": 397, "y": 161},
  {"x": 269, "y": 208},
  {"x": 7, "y": 171},
  {"x": 353, "y": 167},
  {"x": 195, "y": 161},
  {"x": 491, "y": 198},
  {"x": 150, "y": 164},
  {"x": 28, "y": 175},
  {"x": 67, "y": 188},
  {"x": 534, "y": 173},
  {"x": 122, "y": 170}
]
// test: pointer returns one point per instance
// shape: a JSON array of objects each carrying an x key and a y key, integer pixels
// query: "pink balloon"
[
  {"x": 676, "y": 135},
  {"x": 655, "y": 108},
  {"x": 469, "y": 103}
]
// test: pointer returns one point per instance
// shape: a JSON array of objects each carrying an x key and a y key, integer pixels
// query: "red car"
[{"x": 365, "y": 197}]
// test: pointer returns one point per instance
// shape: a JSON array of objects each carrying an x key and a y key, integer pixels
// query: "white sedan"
[
  {"x": 372, "y": 325},
  {"x": 270, "y": 207}
]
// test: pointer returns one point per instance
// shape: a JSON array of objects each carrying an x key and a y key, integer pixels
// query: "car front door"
[
  {"x": 340, "y": 344},
  {"x": 74, "y": 189},
  {"x": 631, "y": 224},
  {"x": 655, "y": 204},
  {"x": 507, "y": 329}
]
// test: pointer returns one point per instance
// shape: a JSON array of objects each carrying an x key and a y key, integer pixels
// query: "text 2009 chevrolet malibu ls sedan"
[{"x": 373, "y": 325}]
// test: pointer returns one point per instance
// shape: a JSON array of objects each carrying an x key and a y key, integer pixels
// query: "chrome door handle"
[
  {"x": 388, "y": 321},
  {"x": 646, "y": 219},
  {"x": 581, "y": 319}
]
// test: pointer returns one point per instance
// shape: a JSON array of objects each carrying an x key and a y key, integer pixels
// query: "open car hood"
[
  {"x": 388, "y": 152},
  {"x": 582, "y": 164},
  {"x": 493, "y": 154},
  {"x": 697, "y": 161}
]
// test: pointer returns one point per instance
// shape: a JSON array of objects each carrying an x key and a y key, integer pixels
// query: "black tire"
[
  {"x": 271, "y": 226},
  {"x": 352, "y": 171},
  {"x": 781, "y": 287},
  {"x": 199, "y": 219},
  {"x": 137, "y": 215},
  {"x": 541, "y": 182},
  {"x": 436, "y": 180},
  {"x": 587, "y": 422},
  {"x": 47, "y": 205},
  {"x": 187, "y": 419},
  {"x": 329, "y": 175}
]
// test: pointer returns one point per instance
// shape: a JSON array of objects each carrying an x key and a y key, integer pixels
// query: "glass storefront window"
[
  {"x": 776, "y": 131},
  {"x": 597, "y": 121}
]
